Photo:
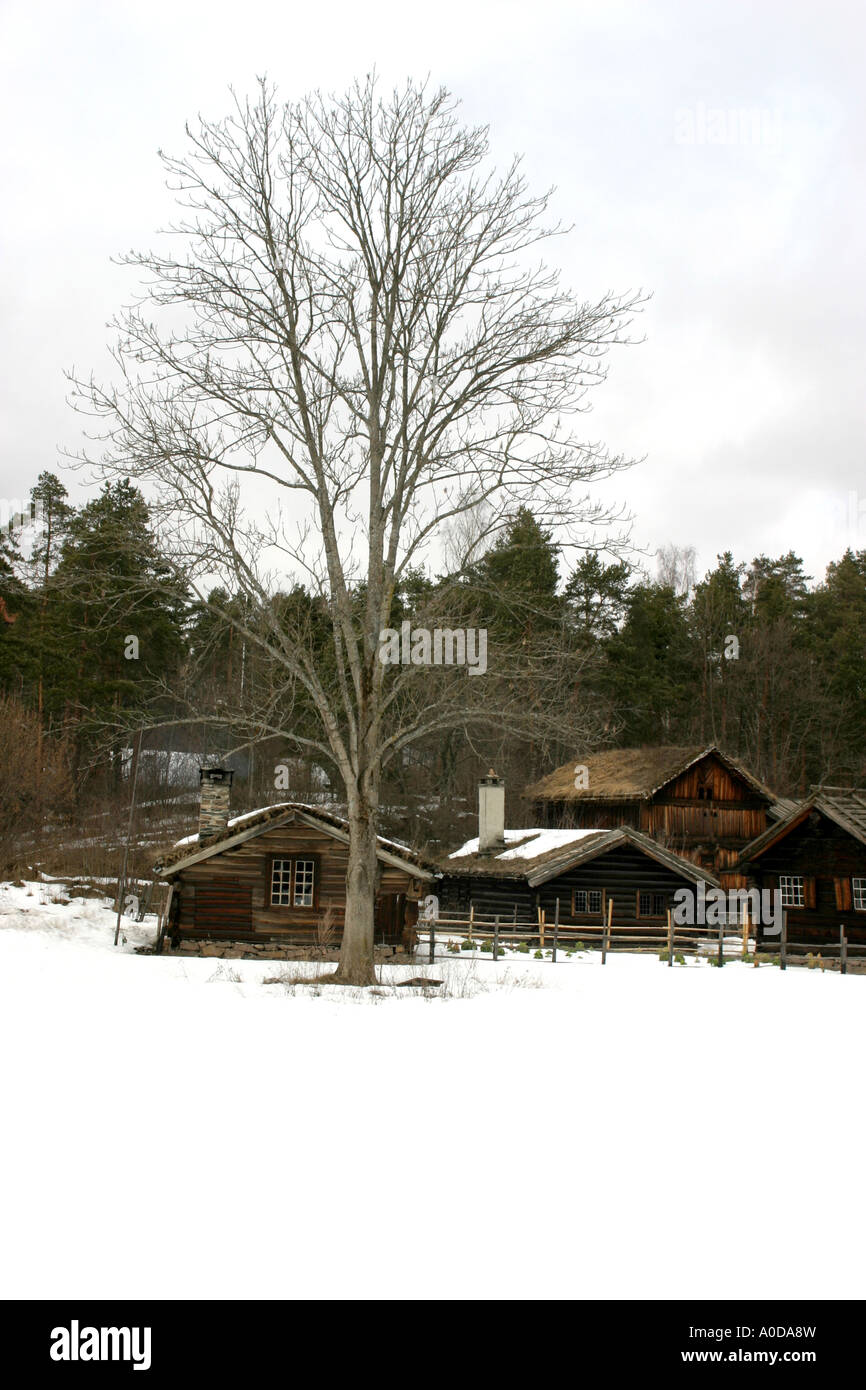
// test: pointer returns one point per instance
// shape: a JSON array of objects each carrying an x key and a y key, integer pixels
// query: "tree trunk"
[{"x": 356, "y": 952}]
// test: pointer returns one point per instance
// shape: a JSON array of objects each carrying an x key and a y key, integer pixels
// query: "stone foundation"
[{"x": 267, "y": 950}]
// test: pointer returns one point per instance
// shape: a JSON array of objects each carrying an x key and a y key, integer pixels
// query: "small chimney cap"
[
  {"x": 215, "y": 774},
  {"x": 491, "y": 777}
]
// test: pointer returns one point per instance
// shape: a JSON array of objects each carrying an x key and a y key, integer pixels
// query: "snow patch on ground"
[{"x": 176, "y": 1127}]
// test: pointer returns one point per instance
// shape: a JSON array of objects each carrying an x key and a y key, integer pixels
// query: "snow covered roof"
[
  {"x": 525, "y": 850},
  {"x": 539, "y": 855},
  {"x": 250, "y": 823},
  {"x": 527, "y": 844}
]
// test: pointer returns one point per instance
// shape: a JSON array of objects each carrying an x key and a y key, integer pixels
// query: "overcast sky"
[{"x": 712, "y": 154}]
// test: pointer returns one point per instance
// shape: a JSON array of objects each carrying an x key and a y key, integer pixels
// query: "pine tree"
[
  {"x": 596, "y": 596},
  {"x": 121, "y": 613}
]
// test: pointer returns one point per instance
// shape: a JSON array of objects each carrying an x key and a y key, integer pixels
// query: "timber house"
[
  {"x": 589, "y": 872},
  {"x": 815, "y": 857},
  {"x": 277, "y": 875},
  {"x": 697, "y": 802}
]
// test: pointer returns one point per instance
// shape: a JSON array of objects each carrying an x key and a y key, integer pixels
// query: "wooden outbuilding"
[
  {"x": 585, "y": 877},
  {"x": 815, "y": 858},
  {"x": 699, "y": 803},
  {"x": 278, "y": 874}
]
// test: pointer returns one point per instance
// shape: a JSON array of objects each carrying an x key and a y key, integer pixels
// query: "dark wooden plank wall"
[
  {"x": 707, "y": 804},
  {"x": 587, "y": 815},
  {"x": 821, "y": 850},
  {"x": 620, "y": 874}
]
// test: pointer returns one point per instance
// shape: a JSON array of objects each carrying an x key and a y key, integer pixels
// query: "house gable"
[
  {"x": 276, "y": 817},
  {"x": 816, "y": 857}
]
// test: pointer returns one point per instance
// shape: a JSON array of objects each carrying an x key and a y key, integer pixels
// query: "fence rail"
[{"x": 727, "y": 940}]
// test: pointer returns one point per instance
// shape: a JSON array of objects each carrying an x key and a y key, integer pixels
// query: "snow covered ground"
[{"x": 177, "y": 1128}]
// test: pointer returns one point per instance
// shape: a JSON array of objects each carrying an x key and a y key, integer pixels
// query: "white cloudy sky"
[{"x": 746, "y": 397}]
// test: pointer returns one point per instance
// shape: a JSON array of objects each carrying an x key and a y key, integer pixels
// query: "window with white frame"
[
  {"x": 858, "y": 891},
  {"x": 281, "y": 883},
  {"x": 791, "y": 890},
  {"x": 305, "y": 872},
  {"x": 293, "y": 882}
]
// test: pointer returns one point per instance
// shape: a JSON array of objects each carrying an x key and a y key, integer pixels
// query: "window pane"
[
  {"x": 595, "y": 900},
  {"x": 304, "y": 870},
  {"x": 644, "y": 902},
  {"x": 281, "y": 883},
  {"x": 859, "y": 889}
]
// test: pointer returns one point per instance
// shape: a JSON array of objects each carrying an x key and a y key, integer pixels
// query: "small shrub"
[
  {"x": 454, "y": 947},
  {"x": 467, "y": 945},
  {"x": 523, "y": 948},
  {"x": 539, "y": 955}
]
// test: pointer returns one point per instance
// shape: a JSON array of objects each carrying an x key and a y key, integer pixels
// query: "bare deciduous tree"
[
  {"x": 361, "y": 325},
  {"x": 676, "y": 567}
]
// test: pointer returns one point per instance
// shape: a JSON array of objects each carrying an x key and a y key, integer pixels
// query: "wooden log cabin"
[
  {"x": 697, "y": 802},
  {"x": 516, "y": 874},
  {"x": 277, "y": 875},
  {"x": 815, "y": 858}
]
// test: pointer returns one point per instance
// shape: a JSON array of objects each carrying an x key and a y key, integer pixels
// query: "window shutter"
[
  {"x": 843, "y": 894},
  {"x": 809, "y": 895}
]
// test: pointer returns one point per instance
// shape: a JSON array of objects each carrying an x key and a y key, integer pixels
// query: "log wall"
[{"x": 620, "y": 874}]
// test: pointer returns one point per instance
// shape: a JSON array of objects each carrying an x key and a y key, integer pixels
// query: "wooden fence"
[{"x": 733, "y": 941}]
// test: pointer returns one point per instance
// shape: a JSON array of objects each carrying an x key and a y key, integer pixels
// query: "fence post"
[
  {"x": 671, "y": 930},
  {"x": 471, "y": 920},
  {"x": 432, "y": 925},
  {"x": 722, "y": 925},
  {"x": 555, "y": 930},
  {"x": 746, "y": 925},
  {"x": 783, "y": 944},
  {"x": 605, "y": 931},
  {"x": 496, "y": 938},
  {"x": 843, "y": 949},
  {"x": 541, "y": 928}
]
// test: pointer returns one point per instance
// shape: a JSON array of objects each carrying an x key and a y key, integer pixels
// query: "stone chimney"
[
  {"x": 216, "y": 791},
  {"x": 491, "y": 814}
]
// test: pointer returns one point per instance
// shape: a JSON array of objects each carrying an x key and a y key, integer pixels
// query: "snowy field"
[{"x": 178, "y": 1128}]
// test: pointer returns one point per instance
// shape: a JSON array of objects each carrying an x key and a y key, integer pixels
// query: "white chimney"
[
  {"x": 216, "y": 790},
  {"x": 491, "y": 814}
]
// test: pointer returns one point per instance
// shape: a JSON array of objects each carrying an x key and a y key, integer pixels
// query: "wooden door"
[{"x": 390, "y": 912}]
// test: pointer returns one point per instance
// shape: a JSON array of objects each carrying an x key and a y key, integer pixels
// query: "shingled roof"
[
  {"x": 631, "y": 774},
  {"x": 190, "y": 850},
  {"x": 845, "y": 806}
]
